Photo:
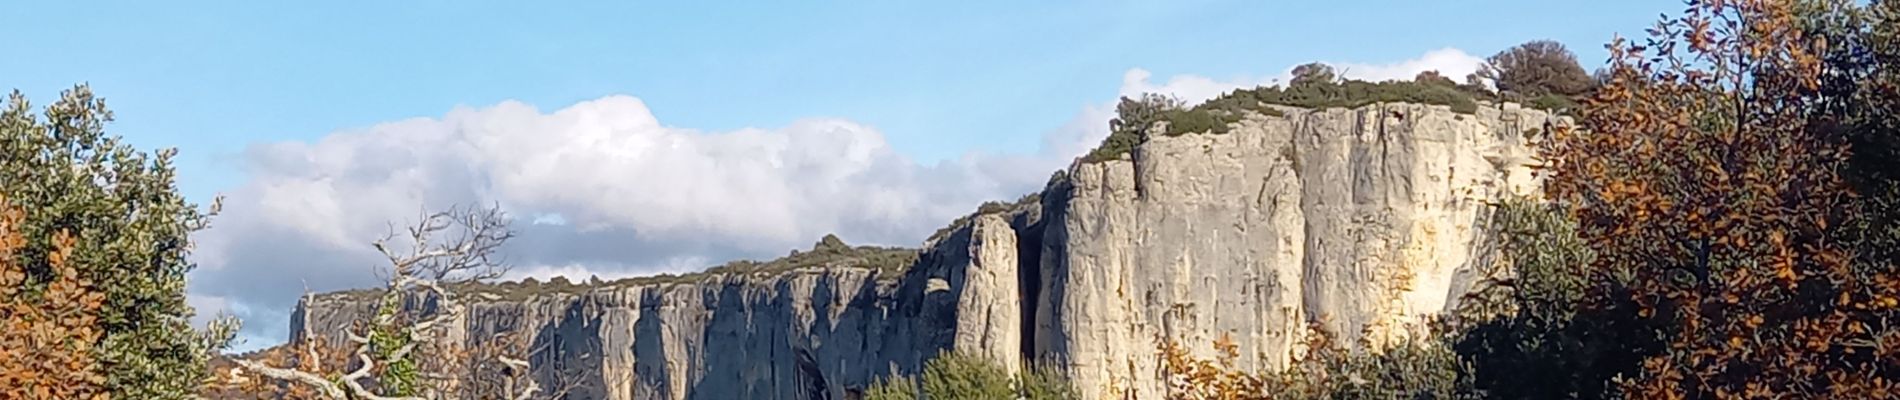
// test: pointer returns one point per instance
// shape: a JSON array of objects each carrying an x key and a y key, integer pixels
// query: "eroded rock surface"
[{"x": 1360, "y": 221}]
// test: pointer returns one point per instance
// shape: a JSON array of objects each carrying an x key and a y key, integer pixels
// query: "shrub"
[
  {"x": 1136, "y": 117},
  {"x": 1522, "y": 327},
  {"x": 892, "y": 388},
  {"x": 954, "y": 376},
  {"x": 1433, "y": 78},
  {"x": 1355, "y": 93},
  {"x": 1044, "y": 382}
]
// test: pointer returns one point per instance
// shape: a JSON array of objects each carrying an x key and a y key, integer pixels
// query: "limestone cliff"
[{"x": 1360, "y": 220}]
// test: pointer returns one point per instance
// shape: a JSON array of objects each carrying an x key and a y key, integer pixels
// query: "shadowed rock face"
[{"x": 1358, "y": 220}]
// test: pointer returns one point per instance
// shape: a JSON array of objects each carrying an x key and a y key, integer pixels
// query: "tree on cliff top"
[
  {"x": 121, "y": 225},
  {"x": 1313, "y": 73},
  {"x": 1537, "y": 68}
]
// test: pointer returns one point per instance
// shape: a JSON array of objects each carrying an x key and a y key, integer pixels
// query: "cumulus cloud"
[
  {"x": 598, "y": 188},
  {"x": 603, "y": 188}
]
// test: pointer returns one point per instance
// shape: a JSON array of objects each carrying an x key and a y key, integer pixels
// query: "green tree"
[
  {"x": 1313, "y": 73},
  {"x": 1133, "y": 118},
  {"x": 130, "y": 227},
  {"x": 1537, "y": 68}
]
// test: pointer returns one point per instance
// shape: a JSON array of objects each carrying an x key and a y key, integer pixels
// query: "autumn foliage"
[
  {"x": 1323, "y": 369},
  {"x": 46, "y": 338},
  {"x": 1718, "y": 210},
  {"x": 1724, "y": 225}
]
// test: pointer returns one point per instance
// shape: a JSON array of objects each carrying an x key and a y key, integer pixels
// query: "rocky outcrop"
[{"x": 1357, "y": 220}]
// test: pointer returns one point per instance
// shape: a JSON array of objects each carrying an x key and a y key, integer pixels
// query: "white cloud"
[
  {"x": 604, "y": 188},
  {"x": 600, "y": 187},
  {"x": 1449, "y": 62}
]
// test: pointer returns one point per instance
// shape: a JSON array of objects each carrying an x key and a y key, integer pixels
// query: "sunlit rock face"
[{"x": 1358, "y": 220}]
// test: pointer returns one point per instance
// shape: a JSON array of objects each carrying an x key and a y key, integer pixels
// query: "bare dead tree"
[{"x": 443, "y": 250}]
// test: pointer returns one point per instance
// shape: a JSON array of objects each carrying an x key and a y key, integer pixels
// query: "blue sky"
[
  {"x": 666, "y": 136},
  {"x": 940, "y": 78}
]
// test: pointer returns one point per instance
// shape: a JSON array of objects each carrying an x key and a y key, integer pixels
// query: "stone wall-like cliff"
[{"x": 1360, "y": 220}]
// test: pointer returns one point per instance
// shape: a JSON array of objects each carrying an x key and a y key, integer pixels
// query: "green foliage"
[
  {"x": 1866, "y": 60},
  {"x": 892, "y": 388},
  {"x": 132, "y": 228},
  {"x": 1538, "y": 68},
  {"x": 1424, "y": 369},
  {"x": 397, "y": 371},
  {"x": 1137, "y": 117},
  {"x": 1433, "y": 78},
  {"x": 1044, "y": 382},
  {"x": 1355, "y": 94},
  {"x": 1539, "y": 266},
  {"x": 954, "y": 376},
  {"x": 1133, "y": 117},
  {"x": 1313, "y": 73},
  {"x": 1521, "y": 327}
]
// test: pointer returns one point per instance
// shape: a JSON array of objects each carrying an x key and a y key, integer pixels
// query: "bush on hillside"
[
  {"x": 1137, "y": 117},
  {"x": 892, "y": 388},
  {"x": 1432, "y": 77},
  {"x": 955, "y": 376},
  {"x": 1325, "y": 370}
]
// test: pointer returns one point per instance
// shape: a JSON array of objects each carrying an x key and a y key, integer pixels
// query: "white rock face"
[
  {"x": 1357, "y": 220},
  {"x": 1360, "y": 221},
  {"x": 989, "y": 309}
]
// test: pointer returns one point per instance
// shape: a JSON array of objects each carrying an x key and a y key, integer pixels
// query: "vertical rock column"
[{"x": 989, "y": 313}]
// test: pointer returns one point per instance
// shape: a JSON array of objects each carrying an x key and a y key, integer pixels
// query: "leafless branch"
[{"x": 442, "y": 249}]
